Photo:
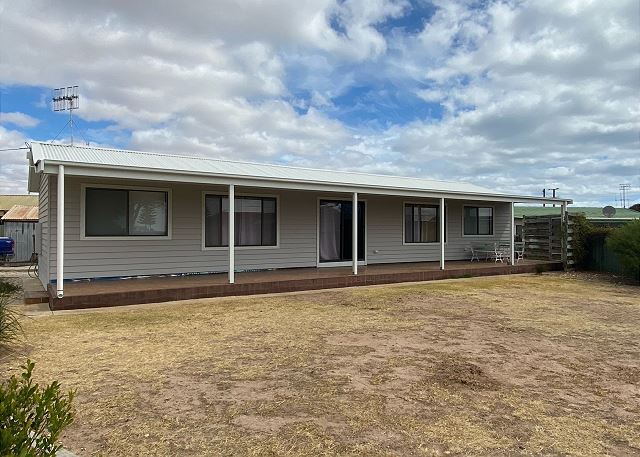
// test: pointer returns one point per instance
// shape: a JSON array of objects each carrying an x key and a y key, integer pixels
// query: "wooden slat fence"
[{"x": 545, "y": 238}]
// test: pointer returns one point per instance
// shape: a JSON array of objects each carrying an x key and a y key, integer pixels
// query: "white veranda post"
[
  {"x": 354, "y": 240},
  {"x": 442, "y": 229},
  {"x": 232, "y": 233},
  {"x": 513, "y": 237},
  {"x": 60, "y": 235}
]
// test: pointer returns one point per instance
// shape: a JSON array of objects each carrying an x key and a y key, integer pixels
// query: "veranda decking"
[{"x": 114, "y": 292}]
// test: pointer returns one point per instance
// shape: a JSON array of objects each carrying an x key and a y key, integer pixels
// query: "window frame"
[
  {"x": 248, "y": 195},
  {"x": 83, "y": 195},
  {"x": 426, "y": 243},
  {"x": 493, "y": 221}
]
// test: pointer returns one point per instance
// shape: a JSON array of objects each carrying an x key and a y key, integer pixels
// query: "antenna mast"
[{"x": 66, "y": 99}]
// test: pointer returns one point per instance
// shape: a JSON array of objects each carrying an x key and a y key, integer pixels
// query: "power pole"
[{"x": 624, "y": 188}]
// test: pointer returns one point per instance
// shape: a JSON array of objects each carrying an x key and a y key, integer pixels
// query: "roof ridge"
[{"x": 158, "y": 154}]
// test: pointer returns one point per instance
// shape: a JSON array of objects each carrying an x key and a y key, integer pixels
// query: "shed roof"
[
  {"x": 21, "y": 213},
  {"x": 590, "y": 212},
  {"x": 55, "y": 154},
  {"x": 7, "y": 201}
]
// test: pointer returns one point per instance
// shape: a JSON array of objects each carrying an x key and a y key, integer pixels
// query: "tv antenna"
[
  {"x": 554, "y": 189},
  {"x": 624, "y": 188},
  {"x": 66, "y": 99}
]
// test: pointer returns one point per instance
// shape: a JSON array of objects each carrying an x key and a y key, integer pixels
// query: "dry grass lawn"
[{"x": 495, "y": 366}]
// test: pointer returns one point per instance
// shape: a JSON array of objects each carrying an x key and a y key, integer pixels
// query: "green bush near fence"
[
  {"x": 625, "y": 242},
  {"x": 585, "y": 236}
]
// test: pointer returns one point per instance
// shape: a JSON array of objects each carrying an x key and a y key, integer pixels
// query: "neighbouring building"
[
  {"x": 20, "y": 224},
  {"x": 8, "y": 201}
]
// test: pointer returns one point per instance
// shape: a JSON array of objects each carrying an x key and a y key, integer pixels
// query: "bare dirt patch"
[{"x": 494, "y": 366}]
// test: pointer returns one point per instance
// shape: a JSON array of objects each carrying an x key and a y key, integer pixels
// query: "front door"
[{"x": 336, "y": 225}]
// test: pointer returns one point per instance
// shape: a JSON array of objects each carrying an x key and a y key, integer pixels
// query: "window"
[
  {"x": 421, "y": 223},
  {"x": 255, "y": 221},
  {"x": 122, "y": 212},
  {"x": 478, "y": 220}
]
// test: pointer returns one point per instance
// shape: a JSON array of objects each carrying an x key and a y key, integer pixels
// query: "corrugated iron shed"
[{"x": 21, "y": 213}]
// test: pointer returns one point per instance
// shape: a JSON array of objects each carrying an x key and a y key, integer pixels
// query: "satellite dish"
[{"x": 609, "y": 211}]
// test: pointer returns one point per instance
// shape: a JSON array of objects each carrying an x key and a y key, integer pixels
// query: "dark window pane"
[
  {"x": 105, "y": 212},
  {"x": 347, "y": 230},
  {"x": 147, "y": 213},
  {"x": 485, "y": 221},
  {"x": 408, "y": 227},
  {"x": 470, "y": 220},
  {"x": 416, "y": 224},
  {"x": 446, "y": 223},
  {"x": 361, "y": 230},
  {"x": 225, "y": 221},
  {"x": 269, "y": 222},
  {"x": 212, "y": 220},
  {"x": 421, "y": 223},
  {"x": 428, "y": 224}
]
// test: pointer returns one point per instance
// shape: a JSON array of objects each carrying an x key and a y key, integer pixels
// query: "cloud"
[
  {"x": 13, "y": 163},
  {"x": 18, "y": 119},
  {"x": 515, "y": 96}
]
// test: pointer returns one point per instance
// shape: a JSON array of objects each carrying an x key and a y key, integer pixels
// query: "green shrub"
[
  {"x": 584, "y": 235},
  {"x": 32, "y": 417},
  {"x": 625, "y": 242},
  {"x": 10, "y": 329}
]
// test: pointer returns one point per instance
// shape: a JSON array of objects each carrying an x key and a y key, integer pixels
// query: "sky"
[{"x": 515, "y": 96}]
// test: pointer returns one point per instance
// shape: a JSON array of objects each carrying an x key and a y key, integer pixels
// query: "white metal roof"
[{"x": 55, "y": 154}]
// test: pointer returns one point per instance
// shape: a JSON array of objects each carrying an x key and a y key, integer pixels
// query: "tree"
[
  {"x": 635, "y": 207},
  {"x": 625, "y": 242}
]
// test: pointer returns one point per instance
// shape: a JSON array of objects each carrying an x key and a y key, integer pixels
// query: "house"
[
  {"x": 593, "y": 214},
  {"x": 108, "y": 213},
  {"x": 8, "y": 201},
  {"x": 20, "y": 225}
]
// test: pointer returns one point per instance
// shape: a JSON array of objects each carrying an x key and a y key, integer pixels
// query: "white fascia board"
[{"x": 101, "y": 171}]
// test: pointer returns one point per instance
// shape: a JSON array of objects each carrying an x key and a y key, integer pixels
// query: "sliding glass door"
[{"x": 336, "y": 225}]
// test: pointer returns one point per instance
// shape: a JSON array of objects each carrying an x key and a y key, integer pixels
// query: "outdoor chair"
[
  {"x": 474, "y": 253},
  {"x": 519, "y": 250}
]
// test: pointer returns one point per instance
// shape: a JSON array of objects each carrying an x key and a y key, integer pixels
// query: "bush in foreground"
[
  {"x": 10, "y": 329},
  {"x": 625, "y": 242},
  {"x": 32, "y": 417}
]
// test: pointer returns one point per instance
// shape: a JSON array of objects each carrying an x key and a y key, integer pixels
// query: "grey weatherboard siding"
[
  {"x": 44, "y": 250},
  {"x": 183, "y": 253}
]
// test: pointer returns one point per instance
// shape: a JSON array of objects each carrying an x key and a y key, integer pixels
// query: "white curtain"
[
  {"x": 248, "y": 222},
  {"x": 330, "y": 231}
]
